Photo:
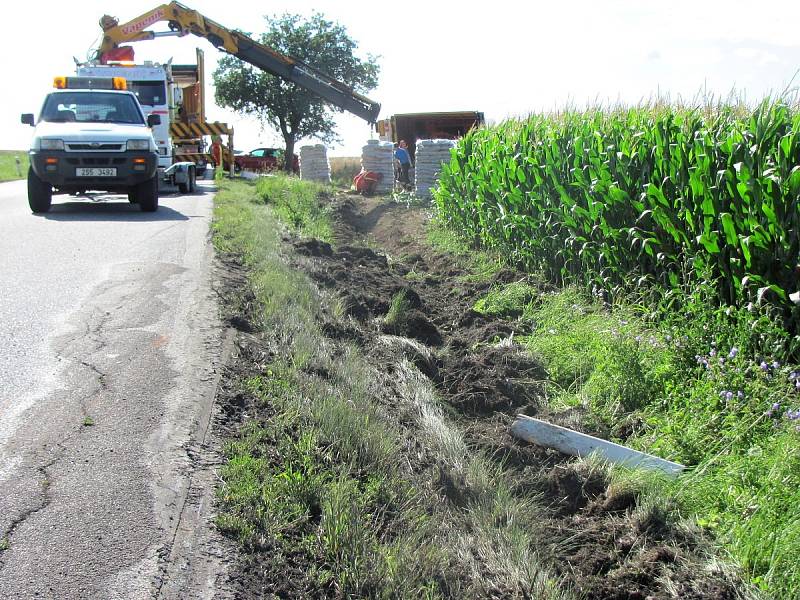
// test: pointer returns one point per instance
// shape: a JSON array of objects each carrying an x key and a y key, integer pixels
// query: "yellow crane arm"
[{"x": 183, "y": 21}]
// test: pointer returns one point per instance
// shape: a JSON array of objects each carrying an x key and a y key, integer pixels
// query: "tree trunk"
[
  {"x": 288, "y": 139},
  {"x": 289, "y": 153}
]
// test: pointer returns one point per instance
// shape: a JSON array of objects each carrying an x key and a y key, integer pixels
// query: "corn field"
[{"x": 640, "y": 196}]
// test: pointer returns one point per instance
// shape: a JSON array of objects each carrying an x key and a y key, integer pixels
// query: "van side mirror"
[
  {"x": 153, "y": 120},
  {"x": 27, "y": 119}
]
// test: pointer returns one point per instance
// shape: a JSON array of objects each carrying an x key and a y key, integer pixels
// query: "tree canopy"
[{"x": 295, "y": 112}]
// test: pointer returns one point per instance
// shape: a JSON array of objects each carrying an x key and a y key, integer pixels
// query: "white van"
[{"x": 91, "y": 134}]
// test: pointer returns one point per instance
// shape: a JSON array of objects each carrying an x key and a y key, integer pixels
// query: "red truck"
[{"x": 263, "y": 159}]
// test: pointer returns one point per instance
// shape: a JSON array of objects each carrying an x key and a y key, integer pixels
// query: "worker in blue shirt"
[{"x": 404, "y": 159}]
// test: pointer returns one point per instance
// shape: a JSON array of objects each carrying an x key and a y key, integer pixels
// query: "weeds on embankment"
[{"x": 691, "y": 390}]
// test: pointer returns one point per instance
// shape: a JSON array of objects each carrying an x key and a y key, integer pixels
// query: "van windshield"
[{"x": 91, "y": 107}]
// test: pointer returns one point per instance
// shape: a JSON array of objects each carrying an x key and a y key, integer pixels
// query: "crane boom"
[{"x": 183, "y": 21}]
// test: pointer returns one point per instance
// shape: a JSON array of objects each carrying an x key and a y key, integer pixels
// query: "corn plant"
[{"x": 639, "y": 197}]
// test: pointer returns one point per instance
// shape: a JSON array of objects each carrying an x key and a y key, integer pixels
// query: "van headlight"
[
  {"x": 51, "y": 144},
  {"x": 138, "y": 145}
]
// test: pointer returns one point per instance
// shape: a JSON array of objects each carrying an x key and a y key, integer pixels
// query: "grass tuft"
[
  {"x": 398, "y": 309},
  {"x": 508, "y": 301}
]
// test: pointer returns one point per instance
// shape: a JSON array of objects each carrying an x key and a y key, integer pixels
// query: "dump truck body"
[{"x": 425, "y": 126}]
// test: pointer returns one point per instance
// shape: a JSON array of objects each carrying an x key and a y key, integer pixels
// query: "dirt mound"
[
  {"x": 312, "y": 247},
  {"x": 491, "y": 379},
  {"x": 414, "y": 324}
]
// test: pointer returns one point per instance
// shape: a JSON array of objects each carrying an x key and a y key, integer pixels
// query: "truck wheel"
[
  {"x": 187, "y": 187},
  {"x": 146, "y": 194},
  {"x": 40, "y": 193}
]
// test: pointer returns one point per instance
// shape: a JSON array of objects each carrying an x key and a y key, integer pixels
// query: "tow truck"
[
  {"x": 91, "y": 134},
  {"x": 182, "y": 21}
]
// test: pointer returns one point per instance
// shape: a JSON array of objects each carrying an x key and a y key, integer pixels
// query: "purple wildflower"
[
  {"x": 764, "y": 366},
  {"x": 776, "y": 365},
  {"x": 713, "y": 352},
  {"x": 728, "y": 396},
  {"x": 734, "y": 351}
]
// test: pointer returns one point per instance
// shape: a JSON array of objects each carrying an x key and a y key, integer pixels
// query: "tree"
[{"x": 297, "y": 113}]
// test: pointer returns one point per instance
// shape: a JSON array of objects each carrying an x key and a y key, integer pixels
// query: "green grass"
[
  {"x": 8, "y": 164},
  {"x": 322, "y": 470},
  {"x": 480, "y": 262},
  {"x": 683, "y": 390},
  {"x": 301, "y": 204},
  {"x": 507, "y": 300}
]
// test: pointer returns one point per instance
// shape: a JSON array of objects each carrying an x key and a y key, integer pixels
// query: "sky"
[{"x": 504, "y": 58}]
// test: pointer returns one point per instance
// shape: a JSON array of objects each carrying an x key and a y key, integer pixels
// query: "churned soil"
[{"x": 598, "y": 539}]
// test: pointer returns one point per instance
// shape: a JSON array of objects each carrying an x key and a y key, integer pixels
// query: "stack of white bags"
[
  {"x": 429, "y": 158},
  {"x": 378, "y": 157},
  {"x": 314, "y": 165}
]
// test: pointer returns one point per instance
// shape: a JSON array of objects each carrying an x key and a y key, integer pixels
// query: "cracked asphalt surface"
[{"x": 111, "y": 350}]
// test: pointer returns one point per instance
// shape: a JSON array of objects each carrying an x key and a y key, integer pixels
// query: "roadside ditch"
[{"x": 368, "y": 407}]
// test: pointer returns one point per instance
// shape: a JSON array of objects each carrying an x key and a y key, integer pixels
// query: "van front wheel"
[
  {"x": 146, "y": 194},
  {"x": 40, "y": 193}
]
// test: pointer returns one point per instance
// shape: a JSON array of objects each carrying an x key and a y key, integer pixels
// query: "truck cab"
[{"x": 91, "y": 134}]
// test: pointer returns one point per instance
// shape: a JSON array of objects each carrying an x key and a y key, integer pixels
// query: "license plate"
[{"x": 95, "y": 172}]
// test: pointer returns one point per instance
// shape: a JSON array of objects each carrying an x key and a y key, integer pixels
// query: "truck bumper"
[{"x": 60, "y": 169}]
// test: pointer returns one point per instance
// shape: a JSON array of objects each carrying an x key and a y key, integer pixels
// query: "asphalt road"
[{"x": 110, "y": 348}]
